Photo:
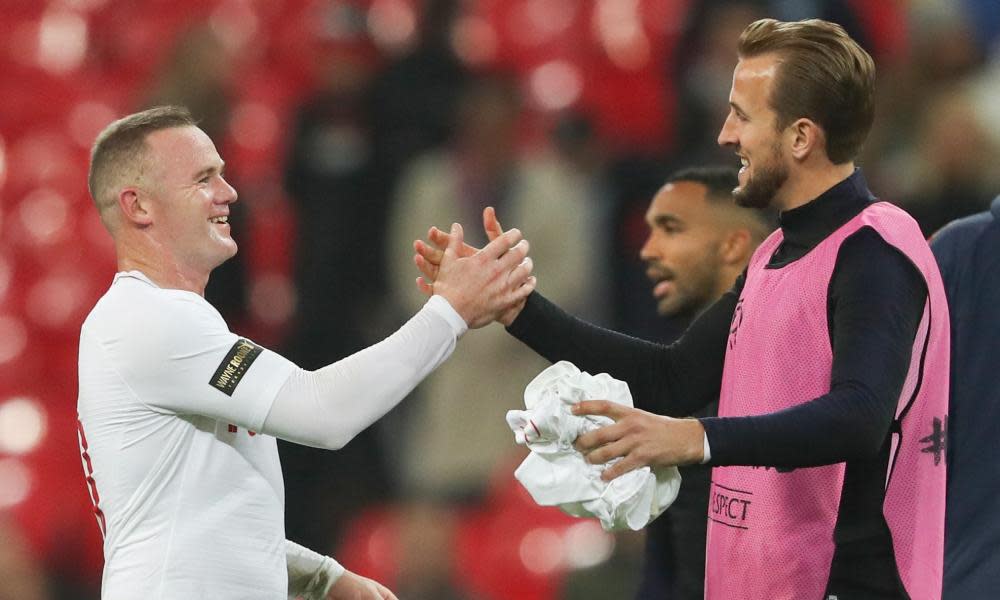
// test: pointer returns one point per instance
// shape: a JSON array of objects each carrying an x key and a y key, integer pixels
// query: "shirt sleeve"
[
  {"x": 677, "y": 379},
  {"x": 876, "y": 300},
  {"x": 326, "y": 408},
  {"x": 954, "y": 243},
  {"x": 185, "y": 361},
  {"x": 310, "y": 574}
]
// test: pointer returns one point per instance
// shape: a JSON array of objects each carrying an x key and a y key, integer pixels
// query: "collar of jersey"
[{"x": 134, "y": 275}]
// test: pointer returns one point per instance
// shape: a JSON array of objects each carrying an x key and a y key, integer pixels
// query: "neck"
[
  {"x": 810, "y": 182},
  {"x": 165, "y": 273},
  {"x": 727, "y": 277}
]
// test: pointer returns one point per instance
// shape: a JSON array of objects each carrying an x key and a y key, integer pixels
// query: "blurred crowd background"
[{"x": 349, "y": 127}]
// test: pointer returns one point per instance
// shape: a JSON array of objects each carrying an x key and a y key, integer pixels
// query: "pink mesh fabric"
[{"x": 770, "y": 533}]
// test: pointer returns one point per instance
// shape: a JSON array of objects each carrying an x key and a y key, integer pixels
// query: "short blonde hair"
[{"x": 118, "y": 155}]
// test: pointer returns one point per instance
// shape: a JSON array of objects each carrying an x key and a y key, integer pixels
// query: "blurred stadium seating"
[{"x": 69, "y": 67}]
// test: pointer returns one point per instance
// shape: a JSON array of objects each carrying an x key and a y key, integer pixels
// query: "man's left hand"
[{"x": 639, "y": 438}]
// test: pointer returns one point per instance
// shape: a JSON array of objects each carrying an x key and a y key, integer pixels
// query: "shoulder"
[
  {"x": 884, "y": 232},
  {"x": 867, "y": 261},
  {"x": 966, "y": 249},
  {"x": 865, "y": 239},
  {"x": 135, "y": 316},
  {"x": 960, "y": 236}
]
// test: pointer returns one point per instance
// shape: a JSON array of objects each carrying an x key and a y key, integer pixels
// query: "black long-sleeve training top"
[{"x": 875, "y": 301}]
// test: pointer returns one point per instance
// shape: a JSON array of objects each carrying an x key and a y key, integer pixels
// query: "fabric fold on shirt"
[{"x": 556, "y": 474}]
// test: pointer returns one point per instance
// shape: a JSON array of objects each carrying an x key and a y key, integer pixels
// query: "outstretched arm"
[
  {"x": 328, "y": 407},
  {"x": 677, "y": 380},
  {"x": 196, "y": 366}
]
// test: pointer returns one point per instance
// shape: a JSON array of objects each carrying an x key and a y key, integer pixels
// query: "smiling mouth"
[
  {"x": 223, "y": 220},
  {"x": 744, "y": 166}
]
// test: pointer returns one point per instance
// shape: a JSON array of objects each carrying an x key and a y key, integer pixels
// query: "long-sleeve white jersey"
[
  {"x": 189, "y": 498},
  {"x": 174, "y": 413}
]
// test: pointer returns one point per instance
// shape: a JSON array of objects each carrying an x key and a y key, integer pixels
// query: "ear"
[
  {"x": 736, "y": 247},
  {"x": 134, "y": 205},
  {"x": 804, "y": 137}
]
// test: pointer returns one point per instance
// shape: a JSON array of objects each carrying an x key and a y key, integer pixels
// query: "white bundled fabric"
[{"x": 556, "y": 474}]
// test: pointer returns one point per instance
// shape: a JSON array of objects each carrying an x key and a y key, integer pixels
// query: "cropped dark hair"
[{"x": 720, "y": 182}]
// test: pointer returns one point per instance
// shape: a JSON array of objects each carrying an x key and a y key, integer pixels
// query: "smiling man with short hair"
[{"x": 178, "y": 416}]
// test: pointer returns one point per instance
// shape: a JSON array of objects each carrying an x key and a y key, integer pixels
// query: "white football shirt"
[{"x": 190, "y": 499}]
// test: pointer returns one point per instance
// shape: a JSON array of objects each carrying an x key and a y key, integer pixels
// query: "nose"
[
  {"x": 647, "y": 252},
  {"x": 728, "y": 137},
  {"x": 227, "y": 194}
]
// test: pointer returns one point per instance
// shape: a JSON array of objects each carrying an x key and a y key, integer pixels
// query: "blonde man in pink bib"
[{"x": 829, "y": 356}]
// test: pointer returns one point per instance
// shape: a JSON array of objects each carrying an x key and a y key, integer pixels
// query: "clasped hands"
[
  {"x": 447, "y": 256},
  {"x": 482, "y": 285},
  {"x": 637, "y": 437}
]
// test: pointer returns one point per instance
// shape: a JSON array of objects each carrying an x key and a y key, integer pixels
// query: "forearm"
[
  {"x": 310, "y": 575},
  {"x": 846, "y": 424},
  {"x": 675, "y": 380},
  {"x": 326, "y": 408}
]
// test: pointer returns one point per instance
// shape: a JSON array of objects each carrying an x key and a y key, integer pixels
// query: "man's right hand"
[
  {"x": 638, "y": 438},
  {"x": 428, "y": 259}
]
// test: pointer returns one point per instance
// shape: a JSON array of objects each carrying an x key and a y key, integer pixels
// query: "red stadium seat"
[
  {"x": 515, "y": 549},
  {"x": 371, "y": 545},
  {"x": 43, "y": 481}
]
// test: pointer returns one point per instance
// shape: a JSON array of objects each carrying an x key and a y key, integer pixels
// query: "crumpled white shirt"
[{"x": 556, "y": 474}]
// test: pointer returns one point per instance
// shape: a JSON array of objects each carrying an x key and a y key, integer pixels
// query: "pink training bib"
[{"x": 770, "y": 533}]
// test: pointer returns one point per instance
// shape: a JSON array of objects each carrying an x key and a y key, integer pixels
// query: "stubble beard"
[
  {"x": 696, "y": 295},
  {"x": 760, "y": 190}
]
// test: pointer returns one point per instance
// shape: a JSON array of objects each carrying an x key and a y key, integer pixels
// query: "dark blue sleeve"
[
  {"x": 968, "y": 253},
  {"x": 955, "y": 243},
  {"x": 876, "y": 300},
  {"x": 676, "y": 380}
]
